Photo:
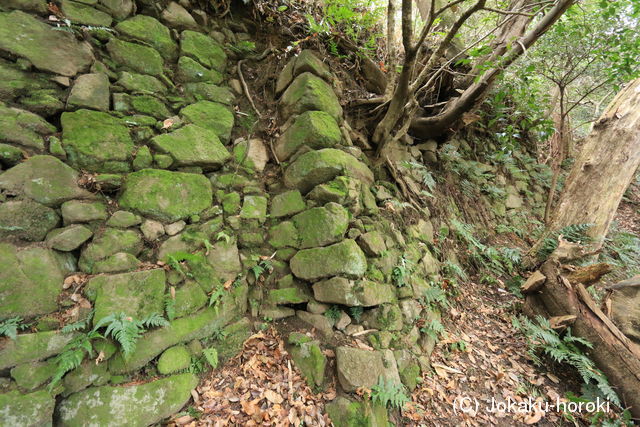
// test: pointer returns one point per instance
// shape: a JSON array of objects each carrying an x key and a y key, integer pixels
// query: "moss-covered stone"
[
  {"x": 117, "y": 263},
  {"x": 231, "y": 203},
  {"x": 87, "y": 374},
  {"x": 174, "y": 359},
  {"x": 321, "y": 226},
  {"x": 49, "y": 50},
  {"x": 138, "y": 294},
  {"x": 387, "y": 317},
  {"x": 44, "y": 179},
  {"x": 309, "y": 358},
  {"x": 32, "y": 375},
  {"x": 136, "y": 405},
  {"x": 372, "y": 243},
  {"x": 166, "y": 196},
  {"x": 408, "y": 367},
  {"x": 23, "y": 128},
  {"x": 10, "y": 155},
  {"x": 287, "y": 203},
  {"x": 203, "y": 91},
  {"x": 136, "y": 57},
  {"x": 124, "y": 219},
  {"x": 30, "y": 281},
  {"x": 26, "y": 220},
  {"x": 152, "y": 32},
  {"x": 162, "y": 161},
  {"x": 33, "y": 409},
  {"x": 80, "y": 13},
  {"x": 108, "y": 242},
  {"x": 286, "y": 296},
  {"x": 96, "y": 141},
  {"x": 32, "y": 347},
  {"x": 341, "y": 259},
  {"x": 338, "y": 290},
  {"x": 309, "y": 92},
  {"x": 68, "y": 238},
  {"x": 190, "y": 71},
  {"x": 235, "y": 335},
  {"x": 199, "y": 325},
  {"x": 90, "y": 91},
  {"x": 362, "y": 368},
  {"x": 35, "y": 6},
  {"x": 314, "y": 129},
  {"x": 141, "y": 83},
  {"x": 203, "y": 49},
  {"x": 108, "y": 181},
  {"x": 75, "y": 211},
  {"x": 212, "y": 116},
  {"x": 284, "y": 235},
  {"x": 193, "y": 145},
  {"x": 254, "y": 207},
  {"x": 306, "y": 61},
  {"x": 149, "y": 105},
  {"x": 317, "y": 167},
  {"x": 345, "y": 413},
  {"x": 190, "y": 297}
]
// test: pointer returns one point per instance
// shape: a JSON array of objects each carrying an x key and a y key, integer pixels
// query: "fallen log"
[{"x": 616, "y": 355}]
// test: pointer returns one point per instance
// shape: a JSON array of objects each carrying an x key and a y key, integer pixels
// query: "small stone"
[
  {"x": 203, "y": 49},
  {"x": 174, "y": 359},
  {"x": 75, "y": 211},
  {"x": 236, "y": 86},
  {"x": 338, "y": 290},
  {"x": 175, "y": 228},
  {"x": 343, "y": 321},
  {"x": 344, "y": 258},
  {"x": 193, "y": 145},
  {"x": 309, "y": 92},
  {"x": 152, "y": 230},
  {"x": 191, "y": 71},
  {"x": 117, "y": 263},
  {"x": 163, "y": 161},
  {"x": 90, "y": 91},
  {"x": 353, "y": 329},
  {"x": 177, "y": 16},
  {"x": 314, "y": 129},
  {"x": 26, "y": 220},
  {"x": 318, "y": 321},
  {"x": 252, "y": 154},
  {"x": 315, "y": 307},
  {"x": 150, "y": 31},
  {"x": 321, "y": 226},
  {"x": 212, "y": 116},
  {"x": 287, "y": 203},
  {"x": 80, "y": 13},
  {"x": 254, "y": 207},
  {"x": 142, "y": 59},
  {"x": 362, "y": 368},
  {"x": 308, "y": 357},
  {"x": 372, "y": 243}
]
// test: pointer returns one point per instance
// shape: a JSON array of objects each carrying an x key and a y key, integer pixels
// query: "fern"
[
  {"x": 400, "y": 272},
  {"x": 170, "y": 306},
  {"x": 434, "y": 295},
  {"x": 211, "y": 355},
  {"x": 389, "y": 394},
  {"x": 79, "y": 325},
  {"x": 216, "y": 295},
  {"x": 542, "y": 339},
  {"x": 126, "y": 330},
  {"x": 333, "y": 313},
  {"x": 576, "y": 233},
  {"x": 10, "y": 327},
  {"x": 434, "y": 329},
  {"x": 72, "y": 356},
  {"x": 356, "y": 313}
]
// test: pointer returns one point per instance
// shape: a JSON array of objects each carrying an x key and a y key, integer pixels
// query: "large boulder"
[
  {"x": 44, "y": 179},
  {"x": 96, "y": 141},
  {"x": 33, "y": 409},
  {"x": 49, "y": 50},
  {"x": 30, "y": 281},
  {"x": 309, "y": 92},
  {"x": 314, "y": 129},
  {"x": 317, "y": 167},
  {"x": 149, "y": 30},
  {"x": 136, "y": 405},
  {"x": 321, "y": 226},
  {"x": 26, "y": 220},
  {"x": 339, "y": 290},
  {"x": 138, "y": 294},
  {"x": 193, "y": 145},
  {"x": 341, "y": 259},
  {"x": 166, "y": 196},
  {"x": 363, "y": 368}
]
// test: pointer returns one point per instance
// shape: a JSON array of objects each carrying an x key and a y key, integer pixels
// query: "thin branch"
[{"x": 508, "y": 12}]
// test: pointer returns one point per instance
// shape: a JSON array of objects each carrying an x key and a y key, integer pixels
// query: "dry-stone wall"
[{"x": 122, "y": 192}]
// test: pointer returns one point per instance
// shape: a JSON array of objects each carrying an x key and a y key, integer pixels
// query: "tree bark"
[
  {"x": 604, "y": 169},
  {"x": 612, "y": 351},
  {"x": 428, "y": 127}
]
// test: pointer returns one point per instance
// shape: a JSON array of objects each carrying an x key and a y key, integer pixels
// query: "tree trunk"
[
  {"x": 612, "y": 351},
  {"x": 604, "y": 169}
]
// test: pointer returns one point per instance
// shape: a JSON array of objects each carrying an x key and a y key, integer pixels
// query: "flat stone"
[
  {"x": 80, "y": 13},
  {"x": 141, "y": 83},
  {"x": 96, "y": 141},
  {"x": 30, "y": 376},
  {"x": 47, "y": 49},
  {"x": 166, "y": 196},
  {"x": 44, "y": 179},
  {"x": 191, "y": 71},
  {"x": 26, "y": 220},
  {"x": 152, "y": 230},
  {"x": 107, "y": 242},
  {"x": 117, "y": 263},
  {"x": 317, "y": 167},
  {"x": 90, "y": 91},
  {"x": 33, "y": 409},
  {"x": 225, "y": 259},
  {"x": 75, "y": 211},
  {"x": 339, "y": 290},
  {"x": 203, "y": 49},
  {"x": 32, "y": 347},
  {"x": 68, "y": 238},
  {"x": 30, "y": 281},
  {"x": 321, "y": 226},
  {"x": 143, "y": 59},
  {"x": 212, "y": 116},
  {"x": 372, "y": 243},
  {"x": 341, "y": 259},
  {"x": 138, "y": 294},
  {"x": 136, "y": 405},
  {"x": 150, "y": 31},
  {"x": 174, "y": 359},
  {"x": 306, "y": 61},
  {"x": 23, "y": 128},
  {"x": 287, "y": 203},
  {"x": 317, "y": 321},
  {"x": 123, "y": 219},
  {"x": 251, "y": 154},
  {"x": 174, "y": 228},
  {"x": 193, "y": 145},
  {"x": 254, "y": 207},
  {"x": 178, "y": 17}
]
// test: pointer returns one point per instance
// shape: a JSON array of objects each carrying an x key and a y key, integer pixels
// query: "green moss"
[
  {"x": 141, "y": 83},
  {"x": 234, "y": 336},
  {"x": 204, "y": 49},
  {"x": 32, "y": 347},
  {"x": 231, "y": 203},
  {"x": 212, "y": 116},
  {"x": 88, "y": 373},
  {"x": 151, "y": 31},
  {"x": 321, "y": 226},
  {"x": 286, "y": 296},
  {"x": 309, "y": 92},
  {"x": 26, "y": 220},
  {"x": 96, "y": 141},
  {"x": 174, "y": 359},
  {"x": 136, "y": 57},
  {"x": 254, "y": 207},
  {"x": 190, "y": 71},
  {"x": 341, "y": 259},
  {"x": 287, "y": 203},
  {"x": 110, "y": 242},
  {"x": 79, "y": 13},
  {"x": 33, "y": 409},
  {"x": 193, "y": 145},
  {"x": 190, "y": 297},
  {"x": 83, "y": 211},
  {"x": 203, "y": 91},
  {"x": 284, "y": 235},
  {"x": 32, "y": 375},
  {"x": 315, "y": 129},
  {"x": 309, "y": 358},
  {"x": 166, "y": 196},
  {"x": 150, "y": 105}
]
